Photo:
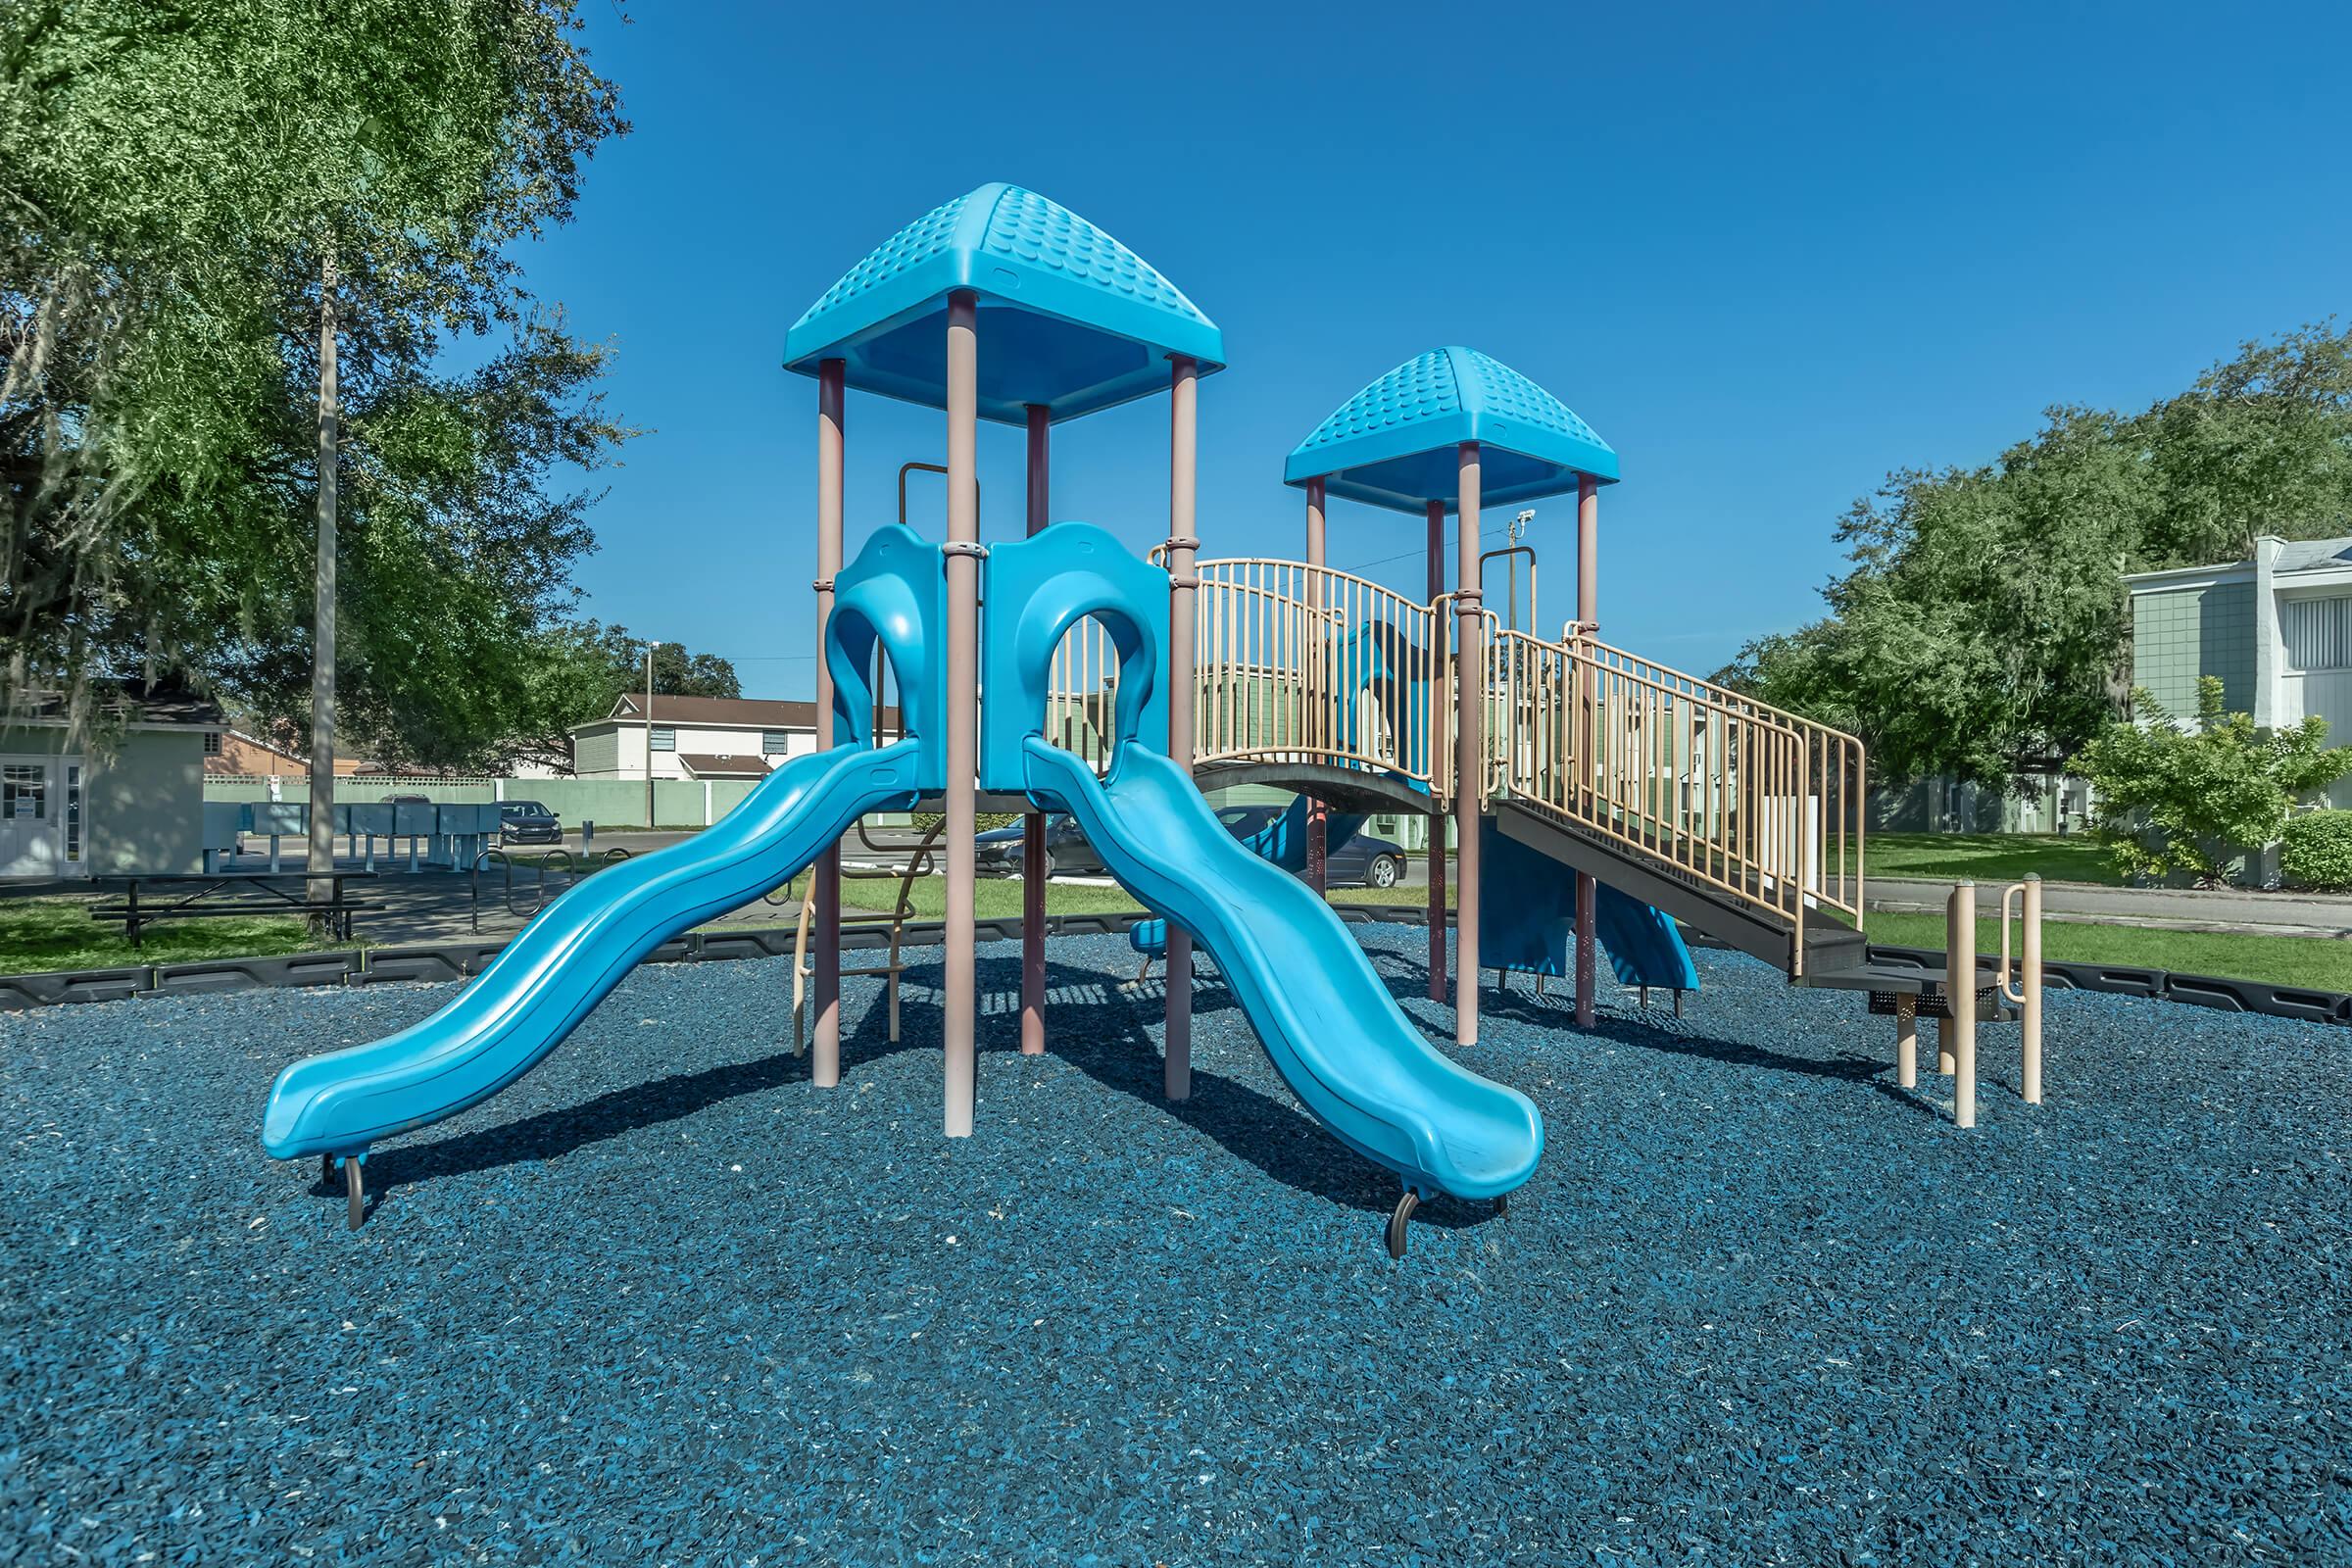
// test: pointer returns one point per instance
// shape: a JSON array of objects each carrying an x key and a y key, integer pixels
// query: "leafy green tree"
[
  {"x": 191, "y": 190},
  {"x": 1982, "y": 627},
  {"x": 2168, "y": 798}
]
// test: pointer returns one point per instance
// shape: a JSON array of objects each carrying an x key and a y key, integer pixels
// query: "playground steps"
[{"x": 1827, "y": 950}]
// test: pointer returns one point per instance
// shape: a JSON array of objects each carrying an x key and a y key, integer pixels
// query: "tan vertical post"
[
  {"x": 1587, "y": 615},
  {"x": 1960, "y": 989},
  {"x": 1033, "y": 825},
  {"x": 1906, "y": 1040},
  {"x": 824, "y": 1065},
  {"x": 1470, "y": 755},
  {"x": 1182, "y": 455},
  {"x": 1322, "y": 706},
  {"x": 2030, "y": 1009},
  {"x": 963, "y": 716},
  {"x": 1436, "y": 513}
]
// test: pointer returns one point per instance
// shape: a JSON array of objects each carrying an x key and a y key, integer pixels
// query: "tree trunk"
[{"x": 322, "y": 856}]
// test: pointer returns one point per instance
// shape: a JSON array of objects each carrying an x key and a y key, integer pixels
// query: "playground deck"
[{"x": 664, "y": 1301}]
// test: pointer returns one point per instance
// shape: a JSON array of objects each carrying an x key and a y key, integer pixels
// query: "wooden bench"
[{"x": 224, "y": 895}]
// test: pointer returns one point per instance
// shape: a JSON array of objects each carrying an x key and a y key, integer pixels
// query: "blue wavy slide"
[
  {"x": 557, "y": 968},
  {"x": 1359, "y": 1063}
]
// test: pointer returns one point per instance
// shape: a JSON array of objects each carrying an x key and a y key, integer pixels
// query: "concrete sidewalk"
[{"x": 2225, "y": 909}]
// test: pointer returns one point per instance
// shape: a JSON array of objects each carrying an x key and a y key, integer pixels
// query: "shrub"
[
  {"x": 2172, "y": 798},
  {"x": 2315, "y": 851}
]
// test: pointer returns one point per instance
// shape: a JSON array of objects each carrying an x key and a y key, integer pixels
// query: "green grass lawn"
[
  {"x": 2319, "y": 963},
  {"x": 42, "y": 935},
  {"x": 1995, "y": 858}
]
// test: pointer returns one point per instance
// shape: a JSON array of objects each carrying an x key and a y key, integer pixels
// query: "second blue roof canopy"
[
  {"x": 1396, "y": 444},
  {"x": 1069, "y": 319}
]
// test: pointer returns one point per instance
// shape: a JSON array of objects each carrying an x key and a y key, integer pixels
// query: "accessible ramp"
[
  {"x": 575, "y": 951},
  {"x": 1357, "y": 1063}
]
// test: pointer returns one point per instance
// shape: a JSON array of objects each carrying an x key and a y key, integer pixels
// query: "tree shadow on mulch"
[{"x": 1558, "y": 1011}]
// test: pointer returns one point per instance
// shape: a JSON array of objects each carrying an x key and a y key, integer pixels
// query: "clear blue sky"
[{"x": 1769, "y": 252}]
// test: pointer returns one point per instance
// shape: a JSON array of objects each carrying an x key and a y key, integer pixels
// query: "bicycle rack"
[{"x": 539, "y": 892}]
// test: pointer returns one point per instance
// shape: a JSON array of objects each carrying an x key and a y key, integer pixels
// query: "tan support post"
[
  {"x": 1906, "y": 1040},
  {"x": 1587, "y": 616},
  {"x": 1960, "y": 990},
  {"x": 1319, "y": 703},
  {"x": 2032, "y": 1011},
  {"x": 1033, "y": 824},
  {"x": 1183, "y": 475},
  {"x": 962, "y": 716},
  {"x": 825, "y": 1067},
  {"x": 1470, "y": 756},
  {"x": 2027, "y": 994},
  {"x": 1436, "y": 513}
]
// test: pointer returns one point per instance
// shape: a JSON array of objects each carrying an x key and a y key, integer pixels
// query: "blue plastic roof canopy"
[
  {"x": 1395, "y": 443},
  {"x": 1069, "y": 317}
]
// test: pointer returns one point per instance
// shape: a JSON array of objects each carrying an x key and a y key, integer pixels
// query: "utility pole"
[{"x": 649, "y": 733}]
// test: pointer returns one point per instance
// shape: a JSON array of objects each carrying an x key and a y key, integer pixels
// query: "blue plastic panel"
[
  {"x": 1069, "y": 317},
  {"x": 1395, "y": 443},
  {"x": 1036, "y": 589}
]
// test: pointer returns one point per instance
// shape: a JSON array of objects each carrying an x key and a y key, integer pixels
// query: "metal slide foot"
[
  {"x": 355, "y": 1187},
  {"x": 1399, "y": 1220},
  {"x": 327, "y": 1169},
  {"x": 1502, "y": 1204}
]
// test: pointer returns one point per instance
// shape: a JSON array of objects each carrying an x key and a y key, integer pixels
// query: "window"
[
  {"x": 2318, "y": 632},
  {"x": 212, "y": 743},
  {"x": 665, "y": 738},
  {"x": 72, "y": 810},
  {"x": 24, "y": 791},
  {"x": 775, "y": 742}
]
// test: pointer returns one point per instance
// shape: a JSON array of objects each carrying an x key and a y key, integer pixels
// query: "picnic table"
[{"x": 221, "y": 894}]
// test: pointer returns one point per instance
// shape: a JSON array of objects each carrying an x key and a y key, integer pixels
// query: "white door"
[{"x": 29, "y": 811}]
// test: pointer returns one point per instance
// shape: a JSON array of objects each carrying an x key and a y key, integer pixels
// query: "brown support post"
[
  {"x": 1436, "y": 512},
  {"x": 1033, "y": 825},
  {"x": 825, "y": 1066},
  {"x": 1183, "y": 474},
  {"x": 1470, "y": 757},
  {"x": 1317, "y": 815},
  {"x": 964, "y": 683},
  {"x": 1587, "y": 615}
]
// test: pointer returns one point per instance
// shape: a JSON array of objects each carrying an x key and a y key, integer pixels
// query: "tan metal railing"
[
  {"x": 1732, "y": 793},
  {"x": 1303, "y": 664},
  {"x": 1299, "y": 664},
  {"x": 1082, "y": 693}
]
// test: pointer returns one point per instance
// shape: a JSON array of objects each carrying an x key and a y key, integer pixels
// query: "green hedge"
[{"x": 2315, "y": 851}]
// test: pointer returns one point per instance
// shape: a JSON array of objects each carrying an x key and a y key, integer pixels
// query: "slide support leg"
[
  {"x": 1400, "y": 1218},
  {"x": 1587, "y": 918}
]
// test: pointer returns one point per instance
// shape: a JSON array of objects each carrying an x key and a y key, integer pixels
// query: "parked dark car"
[
  {"x": 998, "y": 852},
  {"x": 528, "y": 822},
  {"x": 1364, "y": 861}
]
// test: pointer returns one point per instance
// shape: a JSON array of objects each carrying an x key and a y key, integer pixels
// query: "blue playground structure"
[{"x": 1600, "y": 794}]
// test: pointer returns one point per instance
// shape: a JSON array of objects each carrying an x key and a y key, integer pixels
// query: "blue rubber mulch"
[{"x": 662, "y": 1301}]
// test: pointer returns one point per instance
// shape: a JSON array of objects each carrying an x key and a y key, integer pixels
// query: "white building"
[{"x": 696, "y": 737}]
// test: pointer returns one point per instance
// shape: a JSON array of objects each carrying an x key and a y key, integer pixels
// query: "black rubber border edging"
[{"x": 462, "y": 961}]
